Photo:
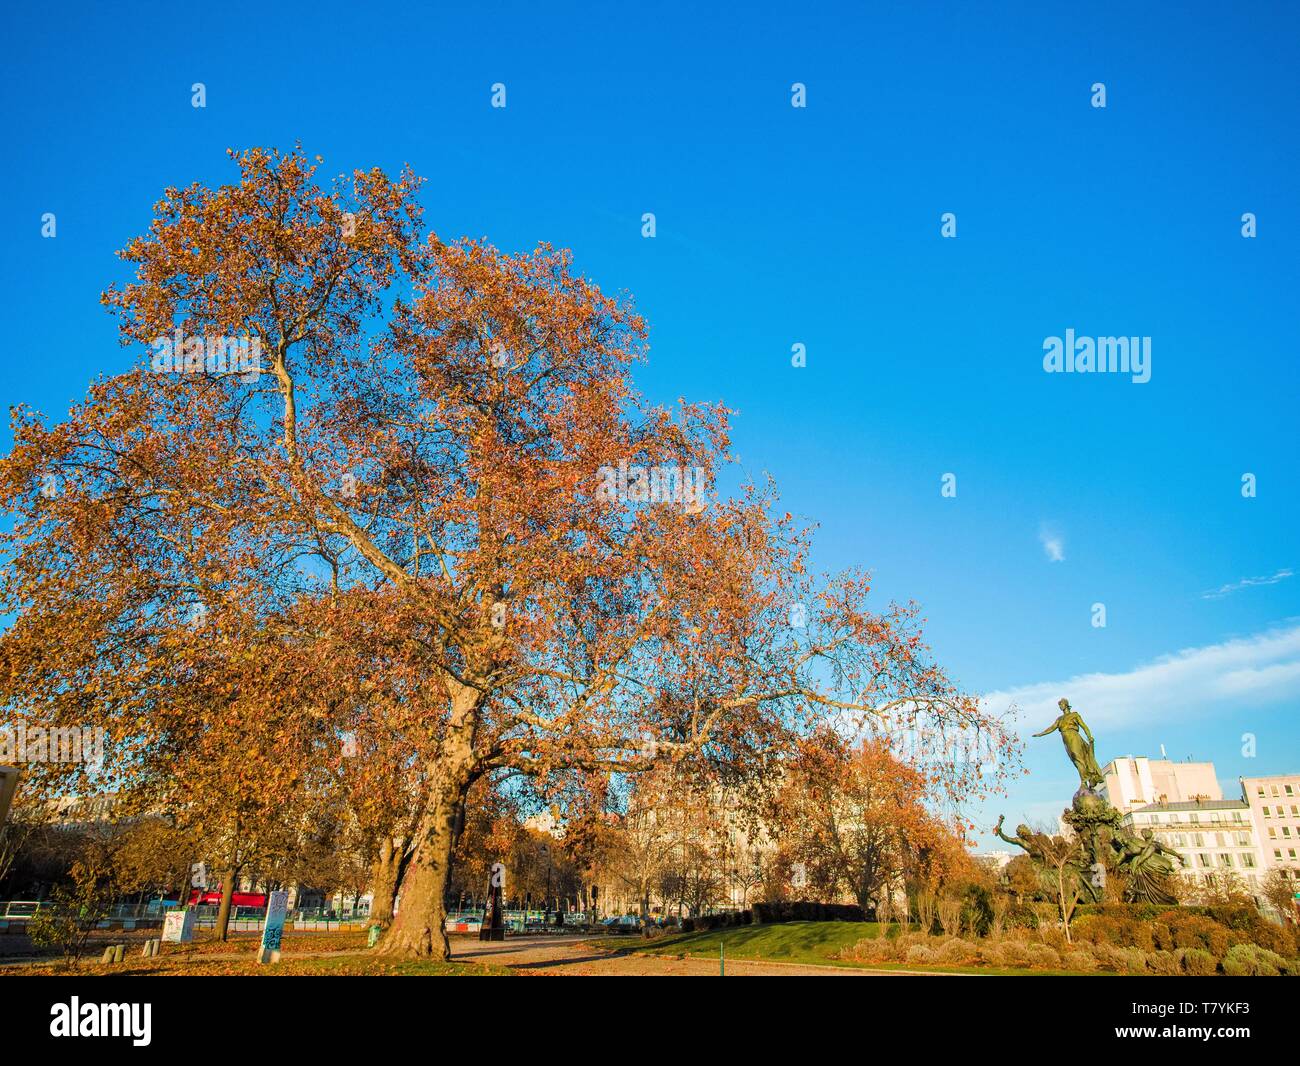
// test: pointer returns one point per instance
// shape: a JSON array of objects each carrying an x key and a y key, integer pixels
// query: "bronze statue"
[
  {"x": 1146, "y": 863},
  {"x": 1024, "y": 837},
  {"x": 1149, "y": 868},
  {"x": 1070, "y": 723}
]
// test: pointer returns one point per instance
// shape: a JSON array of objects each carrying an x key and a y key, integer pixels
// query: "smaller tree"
[
  {"x": 1022, "y": 879},
  {"x": 1061, "y": 857},
  {"x": 1221, "y": 890},
  {"x": 74, "y": 911},
  {"x": 1279, "y": 888}
]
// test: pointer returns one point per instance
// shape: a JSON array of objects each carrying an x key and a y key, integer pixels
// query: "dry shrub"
[
  {"x": 1045, "y": 956},
  {"x": 1120, "y": 960},
  {"x": 1016, "y": 953},
  {"x": 1197, "y": 962},
  {"x": 957, "y": 952},
  {"x": 1178, "y": 929},
  {"x": 1250, "y": 960},
  {"x": 926, "y": 904},
  {"x": 950, "y": 910},
  {"x": 1165, "y": 963},
  {"x": 1120, "y": 932},
  {"x": 1279, "y": 939},
  {"x": 1080, "y": 959}
]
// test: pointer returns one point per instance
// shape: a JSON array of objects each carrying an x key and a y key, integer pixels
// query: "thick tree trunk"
[
  {"x": 419, "y": 928},
  {"x": 227, "y": 894}
]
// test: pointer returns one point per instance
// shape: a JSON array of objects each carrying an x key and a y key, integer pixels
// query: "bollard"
[
  {"x": 108, "y": 954},
  {"x": 119, "y": 952}
]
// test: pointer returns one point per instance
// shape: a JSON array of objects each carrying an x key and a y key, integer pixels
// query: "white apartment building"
[
  {"x": 1133, "y": 782},
  {"x": 1213, "y": 838},
  {"x": 1275, "y": 809}
]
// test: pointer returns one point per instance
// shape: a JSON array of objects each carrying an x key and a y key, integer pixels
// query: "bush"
[
  {"x": 1120, "y": 960},
  {"x": 977, "y": 911},
  {"x": 1181, "y": 929},
  {"x": 1280, "y": 939},
  {"x": 74, "y": 912},
  {"x": 1080, "y": 959},
  {"x": 1250, "y": 960},
  {"x": 1165, "y": 963},
  {"x": 919, "y": 953},
  {"x": 1143, "y": 912},
  {"x": 1196, "y": 962},
  {"x": 805, "y": 911},
  {"x": 1118, "y": 930},
  {"x": 1015, "y": 953},
  {"x": 1022, "y": 916},
  {"x": 957, "y": 952},
  {"x": 1044, "y": 956},
  {"x": 1242, "y": 919}
]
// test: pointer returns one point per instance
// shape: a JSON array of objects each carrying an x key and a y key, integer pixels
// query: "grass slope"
[{"x": 816, "y": 943}]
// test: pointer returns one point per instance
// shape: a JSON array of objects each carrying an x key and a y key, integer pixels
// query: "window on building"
[
  {"x": 1266, "y": 814},
  {"x": 1243, "y": 840},
  {"x": 1248, "y": 861},
  {"x": 1225, "y": 860},
  {"x": 1272, "y": 832},
  {"x": 1204, "y": 861},
  {"x": 1288, "y": 790},
  {"x": 1286, "y": 831},
  {"x": 1272, "y": 790}
]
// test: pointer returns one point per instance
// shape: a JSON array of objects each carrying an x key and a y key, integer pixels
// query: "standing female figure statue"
[{"x": 1081, "y": 752}]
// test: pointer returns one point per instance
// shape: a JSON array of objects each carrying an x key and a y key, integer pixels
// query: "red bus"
[{"x": 237, "y": 899}]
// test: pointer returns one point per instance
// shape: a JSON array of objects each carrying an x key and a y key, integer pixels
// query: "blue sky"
[{"x": 819, "y": 225}]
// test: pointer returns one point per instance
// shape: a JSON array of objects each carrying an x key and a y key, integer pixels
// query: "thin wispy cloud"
[
  {"x": 1192, "y": 683},
  {"x": 1053, "y": 543},
  {"x": 1245, "y": 583}
]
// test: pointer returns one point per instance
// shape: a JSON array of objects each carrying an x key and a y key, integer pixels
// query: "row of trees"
[
  {"x": 383, "y": 568},
  {"x": 843, "y": 823}
]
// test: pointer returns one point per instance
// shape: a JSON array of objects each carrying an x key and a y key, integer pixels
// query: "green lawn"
[
  {"x": 806, "y": 942},
  {"x": 815, "y": 942}
]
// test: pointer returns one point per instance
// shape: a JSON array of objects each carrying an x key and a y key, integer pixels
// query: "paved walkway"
[{"x": 574, "y": 956}]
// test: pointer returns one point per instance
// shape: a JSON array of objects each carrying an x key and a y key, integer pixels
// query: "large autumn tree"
[{"x": 444, "y": 488}]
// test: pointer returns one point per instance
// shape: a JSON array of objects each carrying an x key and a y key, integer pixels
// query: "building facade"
[
  {"x": 1275, "y": 809},
  {"x": 1133, "y": 782},
  {"x": 1213, "y": 839}
]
